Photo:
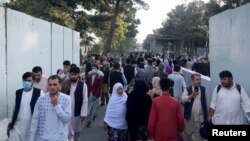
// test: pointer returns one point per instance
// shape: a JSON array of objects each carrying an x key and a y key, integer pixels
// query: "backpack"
[{"x": 238, "y": 87}]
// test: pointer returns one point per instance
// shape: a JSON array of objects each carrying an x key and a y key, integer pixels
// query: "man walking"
[
  {"x": 229, "y": 103},
  {"x": 25, "y": 101},
  {"x": 77, "y": 90},
  {"x": 179, "y": 83},
  {"x": 94, "y": 82},
  {"x": 195, "y": 108},
  {"x": 51, "y": 114},
  {"x": 41, "y": 82},
  {"x": 166, "y": 120}
]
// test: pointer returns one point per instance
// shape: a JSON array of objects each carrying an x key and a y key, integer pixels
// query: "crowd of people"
[{"x": 145, "y": 95}]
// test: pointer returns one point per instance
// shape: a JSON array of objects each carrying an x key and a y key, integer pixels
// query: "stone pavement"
[{"x": 96, "y": 131}]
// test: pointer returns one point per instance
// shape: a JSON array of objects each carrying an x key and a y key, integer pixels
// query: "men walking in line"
[
  {"x": 229, "y": 103},
  {"x": 77, "y": 90},
  {"x": 195, "y": 108},
  {"x": 41, "y": 81},
  {"x": 25, "y": 100},
  {"x": 51, "y": 114},
  {"x": 94, "y": 82}
]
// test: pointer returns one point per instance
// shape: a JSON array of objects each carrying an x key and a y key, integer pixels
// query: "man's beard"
[{"x": 73, "y": 80}]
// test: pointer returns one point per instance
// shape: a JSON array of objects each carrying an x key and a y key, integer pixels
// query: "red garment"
[
  {"x": 97, "y": 85},
  {"x": 166, "y": 119}
]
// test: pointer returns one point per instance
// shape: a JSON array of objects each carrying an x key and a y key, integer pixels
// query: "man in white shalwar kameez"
[
  {"x": 18, "y": 128},
  {"x": 51, "y": 114},
  {"x": 79, "y": 102},
  {"x": 229, "y": 105}
]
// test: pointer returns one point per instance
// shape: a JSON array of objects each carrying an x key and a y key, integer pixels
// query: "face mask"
[{"x": 27, "y": 85}]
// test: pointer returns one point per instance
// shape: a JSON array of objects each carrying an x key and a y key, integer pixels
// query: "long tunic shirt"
[
  {"x": 75, "y": 124},
  {"x": 23, "y": 119},
  {"x": 166, "y": 119},
  {"x": 42, "y": 84},
  {"x": 49, "y": 122},
  {"x": 229, "y": 106}
]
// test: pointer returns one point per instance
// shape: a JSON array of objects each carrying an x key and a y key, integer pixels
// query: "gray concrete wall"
[
  {"x": 76, "y": 47},
  {"x": 3, "y": 93},
  {"x": 57, "y": 47},
  {"x": 229, "y": 39},
  {"x": 26, "y": 42}
]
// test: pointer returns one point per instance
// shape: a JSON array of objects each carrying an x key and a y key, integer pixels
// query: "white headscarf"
[
  {"x": 116, "y": 109},
  {"x": 156, "y": 85}
]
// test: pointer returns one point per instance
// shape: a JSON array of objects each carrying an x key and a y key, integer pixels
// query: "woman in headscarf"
[
  {"x": 156, "y": 91},
  {"x": 114, "y": 120},
  {"x": 138, "y": 109}
]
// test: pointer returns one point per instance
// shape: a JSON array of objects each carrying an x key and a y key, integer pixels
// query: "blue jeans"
[{"x": 92, "y": 107}]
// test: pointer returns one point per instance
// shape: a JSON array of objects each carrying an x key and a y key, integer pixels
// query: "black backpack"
[{"x": 238, "y": 87}]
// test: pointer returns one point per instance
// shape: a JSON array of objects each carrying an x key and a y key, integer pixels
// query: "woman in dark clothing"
[{"x": 138, "y": 108}]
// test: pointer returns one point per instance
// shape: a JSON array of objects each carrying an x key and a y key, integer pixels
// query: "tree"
[
  {"x": 118, "y": 9},
  {"x": 187, "y": 24}
]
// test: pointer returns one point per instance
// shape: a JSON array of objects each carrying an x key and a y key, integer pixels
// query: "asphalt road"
[{"x": 96, "y": 131}]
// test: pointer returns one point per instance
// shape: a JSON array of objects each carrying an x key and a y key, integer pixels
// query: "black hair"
[
  {"x": 66, "y": 63},
  {"x": 74, "y": 70},
  {"x": 225, "y": 73},
  {"x": 133, "y": 62},
  {"x": 57, "y": 72},
  {"x": 36, "y": 69},
  {"x": 128, "y": 61},
  {"x": 150, "y": 61},
  {"x": 171, "y": 91},
  {"x": 141, "y": 65},
  {"x": 165, "y": 84},
  {"x": 116, "y": 66},
  {"x": 27, "y": 75},
  {"x": 55, "y": 77},
  {"x": 73, "y": 65},
  {"x": 177, "y": 68}
]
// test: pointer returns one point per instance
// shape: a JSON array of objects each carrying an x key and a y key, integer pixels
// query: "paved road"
[{"x": 96, "y": 131}]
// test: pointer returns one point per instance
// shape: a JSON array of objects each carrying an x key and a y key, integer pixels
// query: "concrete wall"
[
  {"x": 229, "y": 39},
  {"x": 3, "y": 93},
  {"x": 57, "y": 47},
  {"x": 67, "y": 44},
  {"x": 26, "y": 42}
]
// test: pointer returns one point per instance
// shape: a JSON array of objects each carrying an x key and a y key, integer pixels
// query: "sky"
[{"x": 153, "y": 18}]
